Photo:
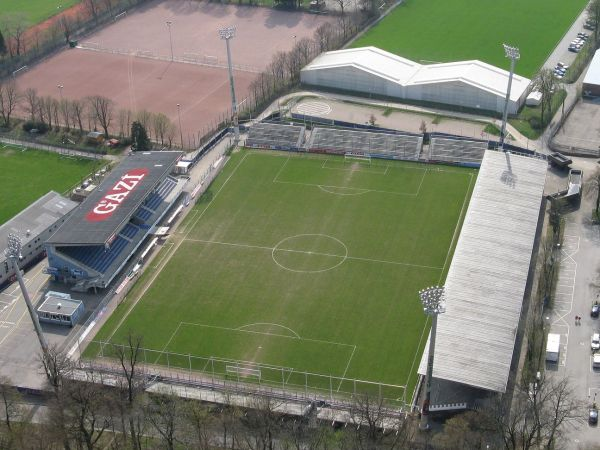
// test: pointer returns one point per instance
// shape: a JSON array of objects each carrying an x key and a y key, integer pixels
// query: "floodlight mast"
[
  {"x": 13, "y": 253},
  {"x": 513, "y": 54},
  {"x": 227, "y": 34},
  {"x": 433, "y": 300}
]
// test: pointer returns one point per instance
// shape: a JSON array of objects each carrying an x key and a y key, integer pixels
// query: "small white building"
[{"x": 369, "y": 70}]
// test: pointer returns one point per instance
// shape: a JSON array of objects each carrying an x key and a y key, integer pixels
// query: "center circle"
[{"x": 309, "y": 253}]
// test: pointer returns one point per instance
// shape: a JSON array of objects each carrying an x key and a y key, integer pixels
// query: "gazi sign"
[{"x": 119, "y": 192}]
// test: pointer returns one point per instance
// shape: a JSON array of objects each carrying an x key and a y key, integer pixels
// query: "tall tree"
[
  {"x": 593, "y": 12},
  {"x": 2, "y": 44},
  {"x": 546, "y": 83},
  {"x": 32, "y": 102},
  {"x": 139, "y": 137},
  {"x": 102, "y": 108},
  {"x": 10, "y": 98}
]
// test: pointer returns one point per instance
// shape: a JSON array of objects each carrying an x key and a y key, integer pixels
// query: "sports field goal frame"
[
  {"x": 358, "y": 157},
  {"x": 248, "y": 375}
]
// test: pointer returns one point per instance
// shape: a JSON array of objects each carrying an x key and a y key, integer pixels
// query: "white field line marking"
[
  {"x": 350, "y": 169},
  {"x": 454, "y": 236},
  {"x": 320, "y": 341},
  {"x": 269, "y": 323},
  {"x": 172, "y": 251},
  {"x": 169, "y": 245},
  {"x": 281, "y": 168},
  {"x": 357, "y": 258},
  {"x": 421, "y": 183},
  {"x": 413, "y": 194},
  {"x": 324, "y": 162},
  {"x": 168, "y": 342},
  {"x": 363, "y": 191},
  {"x": 346, "y": 370},
  {"x": 386, "y": 170}
]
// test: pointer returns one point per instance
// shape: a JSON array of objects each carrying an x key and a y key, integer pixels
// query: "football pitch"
[
  {"x": 35, "y": 11},
  {"x": 28, "y": 174},
  {"x": 293, "y": 263},
  {"x": 428, "y": 31}
]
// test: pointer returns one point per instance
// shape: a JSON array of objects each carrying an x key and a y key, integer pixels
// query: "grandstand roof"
[
  {"x": 113, "y": 202},
  {"x": 486, "y": 281},
  {"x": 36, "y": 218},
  {"x": 406, "y": 72}
]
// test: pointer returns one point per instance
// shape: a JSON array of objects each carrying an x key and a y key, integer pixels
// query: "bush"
[
  {"x": 535, "y": 123},
  {"x": 41, "y": 127}
]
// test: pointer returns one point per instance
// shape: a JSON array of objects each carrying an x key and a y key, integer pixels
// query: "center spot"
[{"x": 309, "y": 253}]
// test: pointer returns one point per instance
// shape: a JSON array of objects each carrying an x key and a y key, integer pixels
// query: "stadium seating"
[
  {"x": 376, "y": 144},
  {"x": 459, "y": 151},
  {"x": 129, "y": 231},
  {"x": 97, "y": 257},
  {"x": 275, "y": 136}
]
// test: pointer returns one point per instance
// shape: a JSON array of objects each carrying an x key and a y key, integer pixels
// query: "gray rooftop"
[
  {"x": 592, "y": 76},
  {"x": 59, "y": 305},
  {"x": 486, "y": 281},
  {"x": 36, "y": 218},
  {"x": 78, "y": 229}
]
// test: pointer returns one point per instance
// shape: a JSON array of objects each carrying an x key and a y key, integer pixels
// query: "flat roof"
[
  {"x": 113, "y": 202},
  {"x": 486, "y": 281},
  {"x": 409, "y": 73},
  {"x": 592, "y": 76},
  {"x": 59, "y": 305},
  {"x": 36, "y": 218}
]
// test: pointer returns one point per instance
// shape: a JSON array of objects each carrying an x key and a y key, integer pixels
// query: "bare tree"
[
  {"x": 14, "y": 26},
  {"x": 325, "y": 36},
  {"x": 546, "y": 83},
  {"x": 55, "y": 104},
  {"x": 593, "y": 13},
  {"x": 32, "y": 102},
  {"x": 65, "y": 112},
  {"x": 164, "y": 415},
  {"x": 262, "y": 423},
  {"x": 11, "y": 407},
  {"x": 129, "y": 357},
  {"x": 161, "y": 124},
  {"x": 199, "y": 423},
  {"x": 124, "y": 118},
  {"x": 10, "y": 98},
  {"x": 66, "y": 26},
  {"x": 86, "y": 411},
  {"x": 77, "y": 113},
  {"x": 91, "y": 6},
  {"x": 102, "y": 108},
  {"x": 592, "y": 187},
  {"x": 170, "y": 133},
  {"x": 466, "y": 431}
]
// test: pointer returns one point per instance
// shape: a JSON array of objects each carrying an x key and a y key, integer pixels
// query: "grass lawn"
[
  {"x": 453, "y": 30},
  {"x": 35, "y": 11},
  {"x": 28, "y": 175},
  {"x": 296, "y": 263}
]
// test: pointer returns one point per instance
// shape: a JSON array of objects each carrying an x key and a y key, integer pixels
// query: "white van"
[{"x": 596, "y": 361}]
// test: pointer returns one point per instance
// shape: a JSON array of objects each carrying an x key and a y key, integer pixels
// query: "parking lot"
[{"x": 577, "y": 288}]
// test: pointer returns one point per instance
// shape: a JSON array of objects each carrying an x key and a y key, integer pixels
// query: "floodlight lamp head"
[
  {"x": 511, "y": 52},
  {"x": 227, "y": 32},
  {"x": 433, "y": 300},
  {"x": 14, "y": 246}
]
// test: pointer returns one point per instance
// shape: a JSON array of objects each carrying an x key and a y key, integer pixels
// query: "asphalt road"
[{"x": 578, "y": 287}]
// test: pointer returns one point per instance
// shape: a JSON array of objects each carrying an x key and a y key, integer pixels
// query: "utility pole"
[
  {"x": 13, "y": 254},
  {"x": 227, "y": 34},
  {"x": 513, "y": 54},
  {"x": 434, "y": 304},
  {"x": 170, "y": 37}
]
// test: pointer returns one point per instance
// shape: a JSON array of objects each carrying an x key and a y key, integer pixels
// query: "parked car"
[
  {"x": 595, "y": 310},
  {"x": 562, "y": 64},
  {"x": 595, "y": 341},
  {"x": 593, "y": 415},
  {"x": 574, "y": 49},
  {"x": 583, "y": 35},
  {"x": 589, "y": 25},
  {"x": 560, "y": 70}
]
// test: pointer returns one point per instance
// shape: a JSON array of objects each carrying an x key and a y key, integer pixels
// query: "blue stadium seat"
[
  {"x": 96, "y": 257},
  {"x": 129, "y": 230}
]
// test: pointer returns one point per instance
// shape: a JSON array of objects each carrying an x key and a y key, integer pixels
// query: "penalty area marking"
[{"x": 270, "y": 324}]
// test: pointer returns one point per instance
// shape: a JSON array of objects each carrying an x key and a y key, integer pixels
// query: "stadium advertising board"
[{"x": 117, "y": 195}]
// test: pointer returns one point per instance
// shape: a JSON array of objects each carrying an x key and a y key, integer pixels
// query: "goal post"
[{"x": 360, "y": 157}]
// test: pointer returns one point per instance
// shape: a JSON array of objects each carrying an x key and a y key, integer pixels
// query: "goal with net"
[{"x": 357, "y": 157}]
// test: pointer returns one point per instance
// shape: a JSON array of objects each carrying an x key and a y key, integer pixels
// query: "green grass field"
[
  {"x": 305, "y": 262},
  {"x": 30, "y": 174},
  {"x": 452, "y": 30},
  {"x": 35, "y": 11}
]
